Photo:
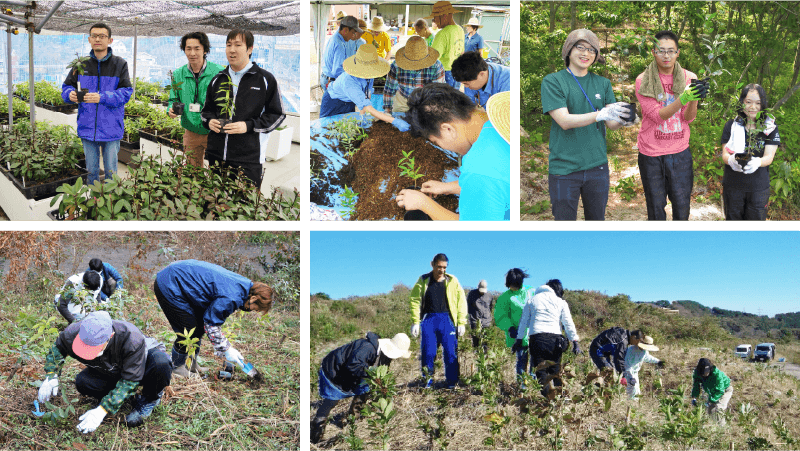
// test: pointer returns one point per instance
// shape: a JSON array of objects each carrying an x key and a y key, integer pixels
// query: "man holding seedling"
[
  {"x": 343, "y": 371},
  {"x": 247, "y": 98},
  {"x": 481, "y": 80},
  {"x": 448, "y": 118},
  {"x": 438, "y": 313},
  {"x": 68, "y": 306},
  {"x": 187, "y": 99},
  {"x": 198, "y": 296},
  {"x": 669, "y": 104},
  {"x": 101, "y": 111},
  {"x": 336, "y": 50},
  {"x": 582, "y": 106},
  {"x": 118, "y": 359}
]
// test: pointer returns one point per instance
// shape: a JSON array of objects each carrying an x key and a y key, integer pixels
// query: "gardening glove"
[
  {"x": 576, "y": 349},
  {"x": 91, "y": 419},
  {"x": 614, "y": 112},
  {"x": 461, "y": 330},
  {"x": 694, "y": 402},
  {"x": 769, "y": 125},
  {"x": 690, "y": 94},
  {"x": 702, "y": 87},
  {"x": 734, "y": 164},
  {"x": 415, "y": 330},
  {"x": 512, "y": 332},
  {"x": 517, "y": 346},
  {"x": 401, "y": 125},
  {"x": 48, "y": 389},
  {"x": 752, "y": 165},
  {"x": 234, "y": 356}
]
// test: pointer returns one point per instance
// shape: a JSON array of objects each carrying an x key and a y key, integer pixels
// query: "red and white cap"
[{"x": 95, "y": 331}]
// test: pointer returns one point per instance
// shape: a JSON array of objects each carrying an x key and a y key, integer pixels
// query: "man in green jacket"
[
  {"x": 194, "y": 78},
  {"x": 508, "y": 312},
  {"x": 716, "y": 384},
  {"x": 449, "y": 41},
  {"x": 438, "y": 301}
]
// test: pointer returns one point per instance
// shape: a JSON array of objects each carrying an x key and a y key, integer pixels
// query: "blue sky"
[{"x": 755, "y": 272}]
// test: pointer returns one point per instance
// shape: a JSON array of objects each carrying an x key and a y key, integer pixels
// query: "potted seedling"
[
  {"x": 78, "y": 68},
  {"x": 226, "y": 104},
  {"x": 177, "y": 107},
  {"x": 408, "y": 168}
]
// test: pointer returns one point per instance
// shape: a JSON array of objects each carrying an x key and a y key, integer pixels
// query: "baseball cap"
[
  {"x": 482, "y": 286},
  {"x": 351, "y": 22},
  {"x": 95, "y": 330}
]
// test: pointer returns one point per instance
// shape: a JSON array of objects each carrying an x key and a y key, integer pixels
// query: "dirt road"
[{"x": 791, "y": 368}]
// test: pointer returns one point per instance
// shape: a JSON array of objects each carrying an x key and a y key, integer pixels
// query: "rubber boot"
[
  {"x": 318, "y": 429},
  {"x": 356, "y": 405},
  {"x": 179, "y": 364},
  {"x": 196, "y": 368}
]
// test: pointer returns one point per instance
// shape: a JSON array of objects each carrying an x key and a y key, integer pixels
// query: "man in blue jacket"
[
  {"x": 101, "y": 113},
  {"x": 481, "y": 80},
  {"x": 201, "y": 296},
  {"x": 111, "y": 277}
]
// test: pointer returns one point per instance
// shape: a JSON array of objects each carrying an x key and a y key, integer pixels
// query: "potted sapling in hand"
[
  {"x": 77, "y": 67},
  {"x": 173, "y": 86},
  {"x": 225, "y": 102}
]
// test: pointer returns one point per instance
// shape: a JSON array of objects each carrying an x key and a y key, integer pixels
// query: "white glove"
[
  {"x": 415, "y": 330},
  {"x": 234, "y": 356},
  {"x": 48, "y": 389},
  {"x": 734, "y": 164},
  {"x": 91, "y": 419},
  {"x": 461, "y": 330},
  {"x": 769, "y": 125},
  {"x": 612, "y": 111},
  {"x": 752, "y": 165}
]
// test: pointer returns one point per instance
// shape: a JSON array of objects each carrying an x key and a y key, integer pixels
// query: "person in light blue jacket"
[
  {"x": 111, "y": 277},
  {"x": 481, "y": 80},
  {"x": 199, "y": 295}
]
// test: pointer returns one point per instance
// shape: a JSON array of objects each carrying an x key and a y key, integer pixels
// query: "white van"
[{"x": 744, "y": 351}]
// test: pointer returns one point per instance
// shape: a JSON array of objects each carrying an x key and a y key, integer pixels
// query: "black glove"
[
  {"x": 517, "y": 346},
  {"x": 661, "y": 364},
  {"x": 576, "y": 349},
  {"x": 702, "y": 87},
  {"x": 512, "y": 331}
]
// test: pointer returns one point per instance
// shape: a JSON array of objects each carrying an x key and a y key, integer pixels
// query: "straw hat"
[
  {"x": 340, "y": 15},
  {"x": 377, "y": 24},
  {"x": 499, "y": 109},
  {"x": 396, "y": 347},
  {"x": 442, "y": 8},
  {"x": 416, "y": 55},
  {"x": 366, "y": 63},
  {"x": 646, "y": 343},
  {"x": 474, "y": 23}
]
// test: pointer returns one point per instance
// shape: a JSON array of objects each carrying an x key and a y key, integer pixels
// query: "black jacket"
[
  {"x": 347, "y": 366},
  {"x": 613, "y": 341},
  {"x": 258, "y": 103}
]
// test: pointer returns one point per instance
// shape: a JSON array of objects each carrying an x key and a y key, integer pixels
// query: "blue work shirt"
[
  {"x": 499, "y": 81},
  {"x": 352, "y": 46},
  {"x": 204, "y": 288},
  {"x": 348, "y": 88},
  {"x": 473, "y": 43},
  {"x": 236, "y": 77},
  {"x": 485, "y": 179},
  {"x": 335, "y": 53}
]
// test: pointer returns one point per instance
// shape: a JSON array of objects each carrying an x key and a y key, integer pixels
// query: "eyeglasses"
[
  {"x": 670, "y": 52},
  {"x": 581, "y": 48},
  {"x": 98, "y": 36}
]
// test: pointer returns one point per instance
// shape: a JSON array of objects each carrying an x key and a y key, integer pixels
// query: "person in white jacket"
[
  {"x": 542, "y": 316},
  {"x": 634, "y": 357},
  {"x": 72, "y": 308}
]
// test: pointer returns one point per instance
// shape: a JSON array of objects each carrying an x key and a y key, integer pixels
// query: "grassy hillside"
[{"x": 489, "y": 411}]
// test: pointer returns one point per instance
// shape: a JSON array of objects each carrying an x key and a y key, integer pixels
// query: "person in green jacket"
[
  {"x": 194, "y": 79},
  {"x": 716, "y": 384},
  {"x": 508, "y": 311},
  {"x": 439, "y": 311}
]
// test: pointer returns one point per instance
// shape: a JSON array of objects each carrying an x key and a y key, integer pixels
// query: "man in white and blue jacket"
[
  {"x": 101, "y": 113},
  {"x": 112, "y": 279}
]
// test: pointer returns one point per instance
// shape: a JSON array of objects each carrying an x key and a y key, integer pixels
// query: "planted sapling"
[
  {"x": 349, "y": 199},
  {"x": 174, "y": 86},
  {"x": 408, "y": 167}
]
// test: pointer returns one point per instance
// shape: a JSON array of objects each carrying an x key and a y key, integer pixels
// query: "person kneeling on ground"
[
  {"x": 111, "y": 277},
  {"x": 634, "y": 357},
  {"x": 716, "y": 384},
  {"x": 118, "y": 358},
  {"x": 449, "y": 119},
  {"x": 343, "y": 372},
  {"x": 70, "y": 308}
]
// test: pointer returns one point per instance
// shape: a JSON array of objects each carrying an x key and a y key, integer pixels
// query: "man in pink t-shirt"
[{"x": 665, "y": 160}]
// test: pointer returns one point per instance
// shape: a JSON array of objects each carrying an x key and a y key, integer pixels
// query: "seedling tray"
[
  {"x": 160, "y": 139},
  {"x": 46, "y": 190},
  {"x": 126, "y": 154}
]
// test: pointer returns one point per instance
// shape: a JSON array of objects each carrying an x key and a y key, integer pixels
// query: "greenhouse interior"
[
  {"x": 50, "y": 144},
  {"x": 333, "y": 172}
]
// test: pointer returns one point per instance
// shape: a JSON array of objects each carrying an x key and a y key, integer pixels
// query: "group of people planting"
[
  {"x": 194, "y": 295},
  {"x": 583, "y": 107},
  {"x": 532, "y": 320}
]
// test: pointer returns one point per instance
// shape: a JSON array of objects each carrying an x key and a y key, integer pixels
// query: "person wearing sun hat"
[
  {"x": 716, "y": 384},
  {"x": 473, "y": 42},
  {"x": 481, "y": 80},
  {"x": 377, "y": 36},
  {"x": 448, "y": 118},
  {"x": 449, "y": 41},
  {"x": 634, "y": 357},
  {"x": 353, "y": 89},
  {"x": 338, "y": 49},
  {"x": 343, "y": 371},
  {"x": 118, "y": 359},
  {"x": 415, "y": 66}
]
